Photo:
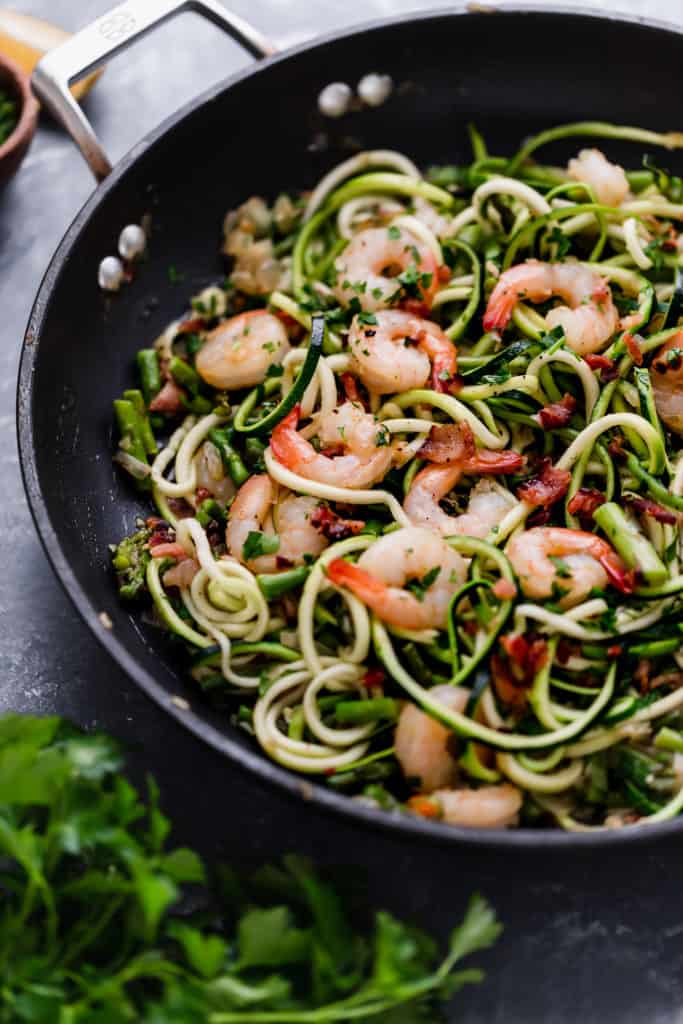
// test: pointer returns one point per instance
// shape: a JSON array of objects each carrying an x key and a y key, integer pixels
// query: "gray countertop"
[{"x": 567, "y": 956}]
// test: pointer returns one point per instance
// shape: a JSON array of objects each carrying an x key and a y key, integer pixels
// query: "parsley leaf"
[
  {"x": 258, "y": 544},
  {"x": 420, "y": 587}
]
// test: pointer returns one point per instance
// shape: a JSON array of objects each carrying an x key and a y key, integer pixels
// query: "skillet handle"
[{"x": 110, "y": 34}]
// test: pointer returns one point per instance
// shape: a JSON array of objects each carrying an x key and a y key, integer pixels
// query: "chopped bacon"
[
  {"x": 180, "y": 508},
  {"x": 155, "y": 523},
  {"x": 508, "y": 689},
  {"x": 181, "y": 574},
  {"x": 350, "y": 385},
  {"x": 162, "y": 532},
  {"x": 642, "y": 674},
  {"x": 616, "y": 447},
  {"x": 374, "y": 678},
  {"x": 584, "y": 504},
  {"x": 196, "y": 323},
  {"x": 202, "y": 493},
  {"x": 504, "y": 589},
  {"x": 607, "y": 367},
  {"x": 557, "y": 414},
  {"x": 547, "y": 487},
  {"x": 332, "y": 526},
  {"x": 513, "y": 675},
  {"x": 444, "y": 273},
  {"x": 614, "y": 652},
  {"x": 169, "y": 399},
  {"x": 539, "y": 517},
  {"x": 449, "y": 443},
  {"x": 646, "y": 507},
  {"x": 168, "y": 550},
  {"x": 528, "y": 652},
  {"x": 633, "y": 348},
  {"x": 564, "y": 651},
  {"x": 283, "y": 563}
]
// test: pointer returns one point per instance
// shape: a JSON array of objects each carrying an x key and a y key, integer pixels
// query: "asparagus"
[{"x": 636, "y": 551}]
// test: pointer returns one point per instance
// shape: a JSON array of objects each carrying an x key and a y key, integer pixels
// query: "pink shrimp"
[{"x": 394, "y": 353}]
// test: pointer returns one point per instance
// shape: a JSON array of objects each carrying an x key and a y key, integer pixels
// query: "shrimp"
[
  {"x": 239, "y": 352},
  {"x": 590, "y": 317},
  {"x": 552, "y": 561},
  {"x": 380, "y": 576},
  {"x": 486, "y": 508},
  {"x": 394, "y": 353},
  {"x": 666, "y": 374},
  {"x": 368, "y": 268},
  {"x": 367, "y": 456},
  {"x": 486, "y": 807},
  {"x": 608, "y": 181},
  {"x": 423, "y": 744},
  {"x": 252, "y": 510}
]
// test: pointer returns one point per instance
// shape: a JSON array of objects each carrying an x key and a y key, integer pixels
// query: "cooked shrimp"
[
  {"x": 590, "y": 317},
  {"x": 368, "y": 268},
  {"x": 608, "y": 181},
  {"x": 238, "y": 353},
  {"x": 487, "y": 506},
  {"x": 252, "y": 511},
  {"x": 552, "y": 561},
  {"x": 211, "y": 473},
  {"x": 366, "y": 459},
  {"x": 394, "y": 353},
  {"x": 666, "y": 375},
  {"x": 382, "y": 572},
  {"x": 486, "y": 807},
  {"x": 422, "y": 743}
]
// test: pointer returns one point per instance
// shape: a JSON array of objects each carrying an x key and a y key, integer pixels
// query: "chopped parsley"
[
  {"x": 394, "y": 233},
  {"x": 367, "y": 318},
  {"x": 420, "y": 587},
  {"x": 258, "y": 544}
]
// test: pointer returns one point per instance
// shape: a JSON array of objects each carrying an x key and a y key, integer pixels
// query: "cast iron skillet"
[{"x": 515, "y": 71}]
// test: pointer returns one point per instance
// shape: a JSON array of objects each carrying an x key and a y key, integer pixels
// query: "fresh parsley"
[
  {"x": 258, "y": 544},
  {"x": 420, "y": 587},
  {"x": 96, "y": 926}
]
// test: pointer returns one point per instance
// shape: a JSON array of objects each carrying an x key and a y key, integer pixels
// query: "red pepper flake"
[
  {"x": 633, "y": 348},
  {"x": 607, "y": 367},
  {"x": 557, "y": 414},
  {"x": 547, "y": 487},
  {"x": 615, "y": 651},
  {"x": 646, "y": 507},
  {"x": 332, "y": 526},
  {"x": 504, "y": 589},
  {"x": 424, "y": 806},
  {"x": 584, "y": 503}
]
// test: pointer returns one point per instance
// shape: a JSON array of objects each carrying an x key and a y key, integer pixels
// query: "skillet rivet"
[
  {"x": 110, "y": 274},
  {"x": 132, "y": 242},
  {"x": 334, "y": 100},
  {"x": 375, "y": 89}
]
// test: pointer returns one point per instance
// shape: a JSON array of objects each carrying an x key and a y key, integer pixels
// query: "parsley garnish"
[
  {"x": 562, "y": 570},
  {"x": 420, "y": 587},
  {"x": 258, "y": 544},
  {"x": 394, "y": 232},
  {"x": 367, "y": 318}
]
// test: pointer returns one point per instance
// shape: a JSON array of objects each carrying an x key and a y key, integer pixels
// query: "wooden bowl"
[{"x": 14, "y": 148}]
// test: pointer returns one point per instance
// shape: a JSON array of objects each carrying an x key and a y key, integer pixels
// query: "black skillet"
[{"x": 513, "y": 70}]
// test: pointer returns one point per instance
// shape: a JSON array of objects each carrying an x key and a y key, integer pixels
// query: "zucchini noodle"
[{"x": 417, "y": 466}]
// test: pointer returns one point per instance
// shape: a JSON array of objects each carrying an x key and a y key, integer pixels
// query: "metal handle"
[{"x": 113, "y": 32}]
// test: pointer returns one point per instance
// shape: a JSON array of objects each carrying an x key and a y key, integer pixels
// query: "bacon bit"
[
  {"x": 470, "y": 627},
  {"x": 642, "y": 675},
  {"x": 449, "y": 443},
  {"x": 168, "y": 550},
  {"x": 528, "y": 652},
  {"x": 539, "y": 518},
  {"x": 169, "y": 399},
  {"x": 350, "y": 385},
  {"x": 607, "y": 367},
  {"x": 190, "y": 326},
  {"x": 332, "y": 526},
  {"x": 633, "y": 348},
  {"x": 669, "y": 243},
  {"x": 557, "y": 414},
  {"x": 424, "y": 806},
  {"x": 181, "y": 574},
  {"x": 162, "y": 533},
  {"x": 202, "y": 493},
  {"x": 415, "y": 306},
  {"x": 374, "y": 678},
  {"x": 330, "y": 771},
  {"x": 547, "y": 487},
  {"x": 155, "y": 523},
  {"x": 564, "y": 651},
  {"x": 615, "y": 651},
  {"x": 508, "y": 690},
  {"x": 283, "y": 563},
  {"x": 444, "y": 273},
  {"x": 512, "y": 676},
  {"x": 646, "y": 507},
  {"x": 180, "y": 508},
  {"x": 584, "y": 504},
  {"x": 616, "y": 447},
  {"x": 504, "y": 590}
]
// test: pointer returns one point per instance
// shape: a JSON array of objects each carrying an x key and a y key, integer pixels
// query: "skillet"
[{"x": 513, "y": 70}]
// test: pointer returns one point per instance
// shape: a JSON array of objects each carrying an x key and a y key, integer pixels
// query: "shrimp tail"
[
  {"x": 499, "y": 308},
  {"x": 487, "y": 462},
  {"x": 283, "y": 440},
  {"x": 363, "y": 584},
  {"x": 619, "y": 576}
]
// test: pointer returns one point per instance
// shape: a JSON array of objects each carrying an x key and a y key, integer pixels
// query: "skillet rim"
[{"x": 248, "y": 758}]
